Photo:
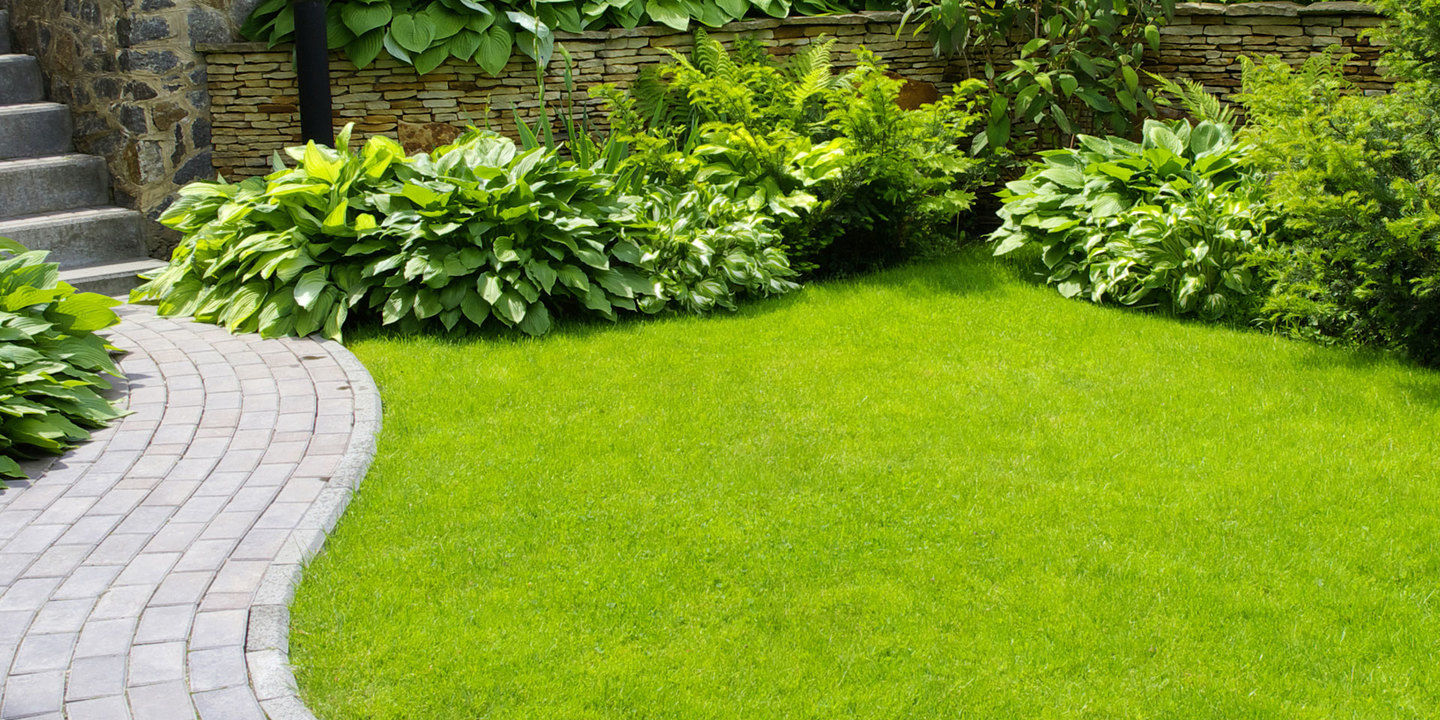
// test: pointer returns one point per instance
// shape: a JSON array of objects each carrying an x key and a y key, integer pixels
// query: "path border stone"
[{"x": 267, "y": 641}]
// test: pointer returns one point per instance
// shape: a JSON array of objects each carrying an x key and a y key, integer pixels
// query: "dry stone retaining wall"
[
  {"x": 253, "y": 95},
  {"x": 1205, "y": 42}
]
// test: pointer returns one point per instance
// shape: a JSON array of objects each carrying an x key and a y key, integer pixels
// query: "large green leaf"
[
  {"x": 414, "y": 33},
  {"x": 361, "y": 18},
  {"x": 494, "y": 50}
]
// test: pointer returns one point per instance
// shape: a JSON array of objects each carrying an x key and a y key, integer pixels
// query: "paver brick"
[
  {"x": 100, "y": 638},
  {"x": 136, "y": 570},
  {"x": 38, "y": 653},
  {"x": 96, "y": 677},
  {"x": 156, "y": 663},
  {"x": 28, "y": 695},
  {"x": 105, "y": 708}
]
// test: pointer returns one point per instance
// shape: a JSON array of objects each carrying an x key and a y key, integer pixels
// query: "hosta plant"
[
  {"x": 1173, "y": 221},
  {"x": 705, "y": 252},
  {"x": 426, "y": 33},
  {"x": 52, "y": 362},
  {"x": 474, "y": 233}
]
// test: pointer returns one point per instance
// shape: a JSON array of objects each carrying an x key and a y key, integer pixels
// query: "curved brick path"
[{"x": 147, "y": 574}]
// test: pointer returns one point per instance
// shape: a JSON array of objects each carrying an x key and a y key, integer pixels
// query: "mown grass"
[{"x": 938, "y": 492}]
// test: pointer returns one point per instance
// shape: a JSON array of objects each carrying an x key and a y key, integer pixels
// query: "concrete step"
[
  {"x": 20, "y": 80},
  {"x": 35, "y": 186},
  {"x": 80, "y": 237},
  {"x": 34, "y": 130},
  {"x": 115, "y": 279},
  {"x": 4, "y": 32}
]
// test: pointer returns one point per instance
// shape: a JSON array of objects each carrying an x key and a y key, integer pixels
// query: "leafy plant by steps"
[
  {"x": 52, "y": 362},
  {"x": 426, "y": 33},
  {"x": 475, "y": 234}
]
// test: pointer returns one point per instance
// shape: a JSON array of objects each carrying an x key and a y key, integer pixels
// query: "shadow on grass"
[{"x": 968, "y": 272}]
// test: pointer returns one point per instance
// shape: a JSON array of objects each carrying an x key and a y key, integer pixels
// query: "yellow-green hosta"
[{"x": 475, "y": 234}]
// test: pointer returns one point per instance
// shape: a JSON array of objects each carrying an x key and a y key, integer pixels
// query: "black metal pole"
[{"x": 312, "y": 68}]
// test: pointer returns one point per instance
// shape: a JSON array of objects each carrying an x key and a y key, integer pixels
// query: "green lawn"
[{"x": 938, "y": 492}]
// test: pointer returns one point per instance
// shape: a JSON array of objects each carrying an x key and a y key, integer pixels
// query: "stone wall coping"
[
  {"x": 1268, "y": 8},
  {"x": 1274, "y": 9}
]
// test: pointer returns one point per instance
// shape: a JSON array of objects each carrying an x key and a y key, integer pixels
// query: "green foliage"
[
  {"x": 1199, "y": 103},
  {"x": 473, "y": 234},
  {"x": 853, "y": 179},
  {"x": 426, "y": 33},
  {"x": 1412, "y": 37},
  {"x": 705, "y": 251},
  {"x": 1077, "y": 59},
  {"x": 1356, "y": 180},
  {"x": 52, "y": 364},
  {"x": 1171, "y": 221}
]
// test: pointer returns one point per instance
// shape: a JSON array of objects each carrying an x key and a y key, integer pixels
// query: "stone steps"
[
  {"x": 35, "y": 186},
  {"x": 19, "y": 79},
  {"x": 80, "y": 237},
  {"x": 34, "y": 130},
  {"x": 54, "y": 199}
]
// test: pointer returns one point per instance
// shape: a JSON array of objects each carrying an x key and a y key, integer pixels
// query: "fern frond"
[
  {"x": 1199, "y": 103},
  {"x": 711, "y": 58},
  {"x": 814, "y": 59}
]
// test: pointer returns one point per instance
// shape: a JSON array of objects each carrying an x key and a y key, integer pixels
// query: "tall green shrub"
[
  {"x": 1356, "y": 180},
  {"x": 1078, "y": 59},
  {"x": 853, "y": 179},
  {"x": 52, "y": 362}
]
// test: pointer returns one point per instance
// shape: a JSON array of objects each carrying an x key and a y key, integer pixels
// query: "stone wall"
[
  {"x": 1205, "y": 42},
  {"x": 253, "y": 93},
  {"x": 135, "y": 85}
]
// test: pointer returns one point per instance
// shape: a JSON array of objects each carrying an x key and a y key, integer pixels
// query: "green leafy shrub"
[
  {"x": 1079, "y": 63},
  {"x": 852, "y": 179},
  {"x": 473, "y": 234},
  {"x": 1172, "y": 221},
  {"x": 426, "y": 33},
  {"x": 52, "y": 364},
  {"x": 1356, "y": 180},
  {"x": 705, "y": 251},
  {"x": 1412, "y": 37}
]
